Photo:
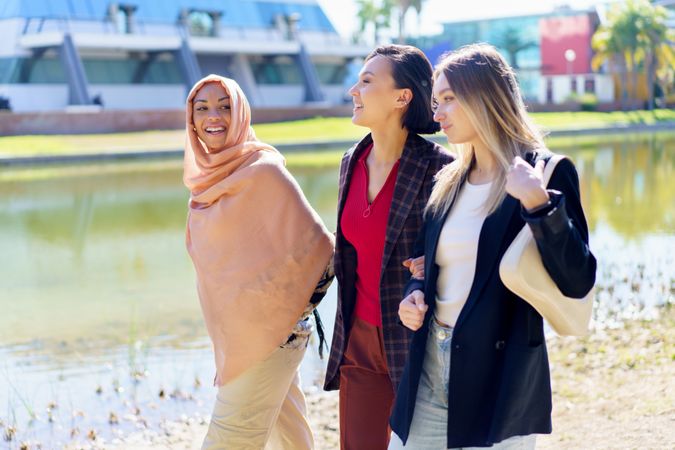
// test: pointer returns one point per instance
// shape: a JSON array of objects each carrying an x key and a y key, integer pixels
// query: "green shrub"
[{"x": 588, "y": 102}]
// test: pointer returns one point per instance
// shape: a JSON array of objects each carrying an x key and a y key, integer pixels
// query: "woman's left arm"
[
  {"x": 560, "y": 229},
  {"x": 323, "y": 285}
]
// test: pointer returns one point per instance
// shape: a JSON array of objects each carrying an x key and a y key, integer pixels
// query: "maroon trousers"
[{"x": 366, "y": 392}]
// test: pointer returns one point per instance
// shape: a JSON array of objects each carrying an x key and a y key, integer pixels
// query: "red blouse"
[{"x": 364, "y": 225}]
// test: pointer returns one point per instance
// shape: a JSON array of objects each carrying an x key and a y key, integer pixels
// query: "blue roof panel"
[
  {"x": 237, "y": 13},
  {"x": 312, "y": 17}
]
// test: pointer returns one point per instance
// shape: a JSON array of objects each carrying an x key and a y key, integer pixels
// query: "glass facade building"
[
  {"x": 523, "y": 40},
  {"x": 283, "y": 53}
]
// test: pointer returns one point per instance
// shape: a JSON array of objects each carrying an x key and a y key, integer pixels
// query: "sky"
[{"x": 342, "y": 13}]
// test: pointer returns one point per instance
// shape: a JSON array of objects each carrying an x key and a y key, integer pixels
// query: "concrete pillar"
[{"x": 78, "y": 86}]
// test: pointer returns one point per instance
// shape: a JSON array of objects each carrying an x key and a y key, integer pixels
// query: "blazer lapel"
[
  {"x": 433, "y": 233},
  {"x": 489, "y": 245},
  {"x": 346, "y": 176},
  {"x": 411, "y": 172}
]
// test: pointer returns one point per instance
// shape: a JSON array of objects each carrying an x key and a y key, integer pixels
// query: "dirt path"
[{"x": 614, "y": 389}]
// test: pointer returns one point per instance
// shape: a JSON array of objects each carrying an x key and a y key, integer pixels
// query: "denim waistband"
[{"x": 440, "y": 332}]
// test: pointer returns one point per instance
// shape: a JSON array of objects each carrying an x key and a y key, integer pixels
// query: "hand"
[
  {"x": 416, "y": 266},
  {"x": 526, "y": 183},
  {"x": 412, "y": 309}
]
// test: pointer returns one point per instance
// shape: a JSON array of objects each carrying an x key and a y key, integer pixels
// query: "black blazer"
[{"x": 499, "y": 375}]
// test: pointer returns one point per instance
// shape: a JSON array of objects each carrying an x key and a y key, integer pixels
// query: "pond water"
[{"x": 100, "y": 327}]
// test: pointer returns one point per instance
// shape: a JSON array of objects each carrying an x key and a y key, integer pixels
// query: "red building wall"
[{"x": 561, "y": 33}]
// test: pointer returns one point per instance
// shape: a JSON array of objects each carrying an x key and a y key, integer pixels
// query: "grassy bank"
[
  {"x": 295, "y": 160},
  {"x": 317, "y": 129},
  {"x": 588, "y": 119}
]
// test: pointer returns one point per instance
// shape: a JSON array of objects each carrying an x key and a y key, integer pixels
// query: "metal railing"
[{"x": 37, "y": 25}]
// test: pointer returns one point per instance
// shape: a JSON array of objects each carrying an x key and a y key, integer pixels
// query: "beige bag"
[{"x": 524, "y": 274}]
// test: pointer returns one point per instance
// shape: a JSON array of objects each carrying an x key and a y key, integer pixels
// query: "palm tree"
[
  {"x": 616, "y": 41},
  {"x": 665, "y": 75},
  {"x": 403, "y": 7},
  {"x": 635, "y": 33},
  {"x": 627, "y": 29},
  {"x": 376, "y": 13},
  {"x": 656, "y": 44},
  {"x": 608, "y": 49},
  {"x": 512, "y": 43}
]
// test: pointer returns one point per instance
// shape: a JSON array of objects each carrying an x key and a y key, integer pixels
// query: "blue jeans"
[{"x": 428, "y": 430}]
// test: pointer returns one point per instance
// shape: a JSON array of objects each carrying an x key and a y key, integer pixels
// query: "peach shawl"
[{"x": 257, "y": 246}]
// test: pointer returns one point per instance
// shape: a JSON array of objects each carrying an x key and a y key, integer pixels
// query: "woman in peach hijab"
[{"x": 261, "y": 256}]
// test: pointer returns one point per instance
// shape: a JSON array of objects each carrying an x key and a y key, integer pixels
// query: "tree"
[
  {"x": 616, "y": 42},
  {"x": 403, "y": 7},
  {"x": 627, "y": 30},
  {"x": 656, "y": 46},
  {"x": 635, "y": 33},
  {"x": 608, "y": 49},
  {"x": 512, "y": 43},
  {"x": 665, "y": 76},
  {"x": 377, "y": 13}
]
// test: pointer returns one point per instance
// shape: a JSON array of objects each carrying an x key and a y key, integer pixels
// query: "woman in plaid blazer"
[{"x": 385, "y": 182}]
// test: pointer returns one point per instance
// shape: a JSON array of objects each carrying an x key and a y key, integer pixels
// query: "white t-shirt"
[{"x": 457, "y": 250}]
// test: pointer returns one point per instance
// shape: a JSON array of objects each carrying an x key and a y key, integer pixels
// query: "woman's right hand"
[
  {"x": 416, "y": 267},
  {"x": 412, "y": 309}
]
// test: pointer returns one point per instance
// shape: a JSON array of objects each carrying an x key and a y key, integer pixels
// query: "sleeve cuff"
[
  {"x": 539, "y": 211},
  {"x": 549, "y": 220},
  {"x": 413, "y": 285}
]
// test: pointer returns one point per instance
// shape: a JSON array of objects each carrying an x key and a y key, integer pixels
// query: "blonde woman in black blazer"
[{"x": 477, "y": 373}]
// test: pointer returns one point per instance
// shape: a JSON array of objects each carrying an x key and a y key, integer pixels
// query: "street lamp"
[{"x": 570, "y": 56}]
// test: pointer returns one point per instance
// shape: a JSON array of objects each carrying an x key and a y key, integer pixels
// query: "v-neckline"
[{"x": 370, "y": 204}]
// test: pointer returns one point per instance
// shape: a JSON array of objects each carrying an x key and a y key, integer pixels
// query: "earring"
[{"x": 194, "y": 128}]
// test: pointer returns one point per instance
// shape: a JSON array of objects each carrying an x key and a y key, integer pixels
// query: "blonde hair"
[{"x": 485, "y": 87}]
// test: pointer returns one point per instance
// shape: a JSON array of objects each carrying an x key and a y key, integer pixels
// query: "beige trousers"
[{"x": 264, "y": 408}]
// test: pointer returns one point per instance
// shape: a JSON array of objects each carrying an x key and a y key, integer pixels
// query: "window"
[
  {"x": 331, "y": 73},
  {"x": 105, "y": 71},
  {"x": 162, "y": 72},
  {"x": 145, "y": 70},
  {"x": 549, "y": 90},
  {"x": 279, "y": 70},
  {"x": 529, "y": 82},
  {"x": 589, "y": 85},
  {"x": 46, "y": 70}
]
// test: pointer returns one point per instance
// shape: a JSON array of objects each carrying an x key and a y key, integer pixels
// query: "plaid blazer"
[{"x": 420, "y": 161}]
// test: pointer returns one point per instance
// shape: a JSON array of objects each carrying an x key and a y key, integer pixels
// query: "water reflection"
[
  {"x": 98, "y": 293},
  {"x": 628, "y": 185}
]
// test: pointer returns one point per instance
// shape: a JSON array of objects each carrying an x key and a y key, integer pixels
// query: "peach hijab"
[{"x": 257, "y": 245}]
